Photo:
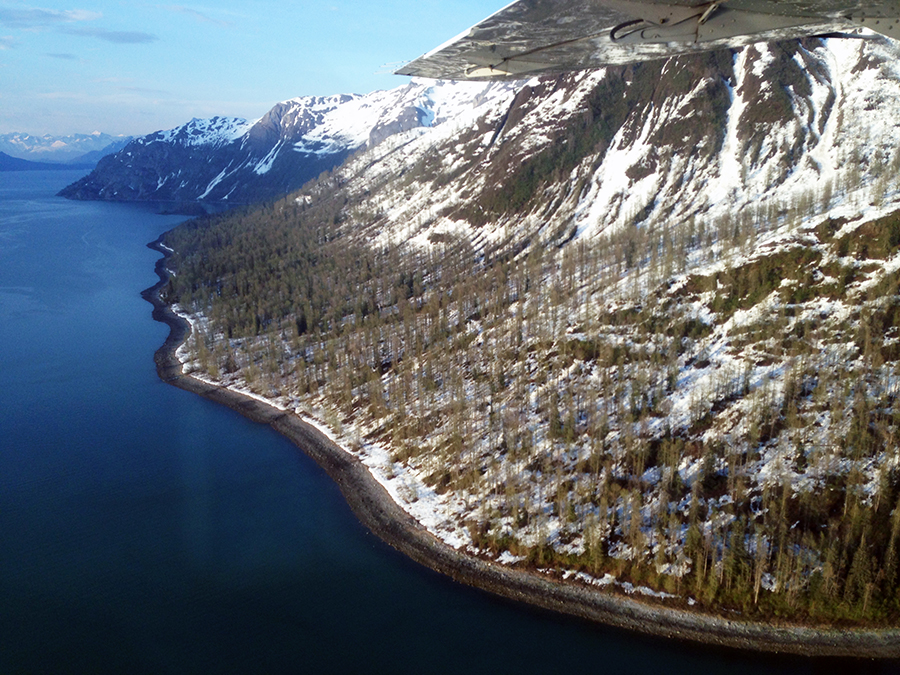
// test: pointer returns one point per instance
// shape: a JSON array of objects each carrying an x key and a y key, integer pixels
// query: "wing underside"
[{"x": 546, "y": 36}]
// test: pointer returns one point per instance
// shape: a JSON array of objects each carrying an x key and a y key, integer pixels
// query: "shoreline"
[{"x": 374, "y": 507}]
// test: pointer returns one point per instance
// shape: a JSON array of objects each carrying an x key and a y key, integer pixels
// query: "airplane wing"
[{"x": 546, "y": 36}]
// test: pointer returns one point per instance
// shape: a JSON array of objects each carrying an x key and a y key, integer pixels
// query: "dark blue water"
[{"x": 146, "y": 530}]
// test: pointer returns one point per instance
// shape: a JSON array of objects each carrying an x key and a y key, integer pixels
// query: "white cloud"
[
  {"x": 39, "y": 17},
  {"x": 198, "y": 15},
  {"x": 129, "y": 37}
]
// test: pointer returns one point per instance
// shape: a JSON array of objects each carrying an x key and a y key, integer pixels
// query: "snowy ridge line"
[
  {"x": 198, "y": 132},
  {"x": 584, "y": 599},
  {"x": 224, "y": 159}
]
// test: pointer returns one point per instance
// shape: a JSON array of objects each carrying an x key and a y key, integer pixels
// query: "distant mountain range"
[
  {"x": 235, "y": 161},
  {"x": 83, "y": 150}
]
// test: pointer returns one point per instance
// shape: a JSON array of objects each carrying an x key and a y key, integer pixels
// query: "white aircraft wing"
[{"x": 546, "y": 36}]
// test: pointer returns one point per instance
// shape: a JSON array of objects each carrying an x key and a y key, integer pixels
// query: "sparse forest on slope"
[{"x": 638, "y": 328}]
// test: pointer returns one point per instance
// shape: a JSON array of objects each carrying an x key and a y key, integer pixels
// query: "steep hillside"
[
  {"x": 636, "y": 328},
  {"x": 239, "y": 162}
]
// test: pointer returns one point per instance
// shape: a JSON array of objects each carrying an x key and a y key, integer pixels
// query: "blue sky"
[{"x": 133, "y": 67}]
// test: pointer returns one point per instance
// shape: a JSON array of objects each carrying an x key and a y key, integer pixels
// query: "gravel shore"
[{"x": 384, "y": 517}]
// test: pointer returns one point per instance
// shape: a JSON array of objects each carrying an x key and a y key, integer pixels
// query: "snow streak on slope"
[
  {"x": 476, "y": 141},
  {"x": 731, "y": 142},
  {"x": 215, "y": 132}
]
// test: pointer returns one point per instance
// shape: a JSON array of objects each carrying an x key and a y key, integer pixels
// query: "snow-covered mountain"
[
  {"x": 239, "y": 161},
  {"x": 689, "y": 138},
  {"x": 638, "y": 326},
  {"x": 73, "y": 149}
]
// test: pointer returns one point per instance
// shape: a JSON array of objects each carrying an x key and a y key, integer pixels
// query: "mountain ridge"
[{"x": 237, "y": 161}]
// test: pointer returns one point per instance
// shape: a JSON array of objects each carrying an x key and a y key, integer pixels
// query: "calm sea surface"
[{"x": 146, "y": 530}]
